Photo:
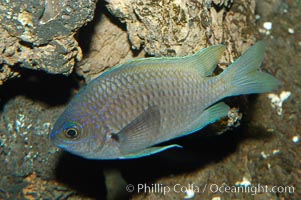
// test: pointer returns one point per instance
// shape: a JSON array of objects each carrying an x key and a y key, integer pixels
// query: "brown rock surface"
[{"x": 263, "y": 150}]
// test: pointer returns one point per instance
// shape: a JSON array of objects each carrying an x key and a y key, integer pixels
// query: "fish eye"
[
  {"x": 72, "y": 130},
  {"x": 71, "y": 133}
]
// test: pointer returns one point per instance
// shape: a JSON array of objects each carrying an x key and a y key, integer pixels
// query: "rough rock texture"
[
  {"x": 26, "y": 156},
  {"x": 172, "y": 27},
  {"x": 39, "y": 35},
  {"x": 108, "y": 47},
  {"x": 263, "y": 150},
  {"x": 167, "y": 28}
]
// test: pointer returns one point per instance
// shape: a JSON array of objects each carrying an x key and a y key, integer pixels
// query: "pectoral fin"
[
  {"x": 148, "y": 151},
  {"x": 141, "y": 132}
]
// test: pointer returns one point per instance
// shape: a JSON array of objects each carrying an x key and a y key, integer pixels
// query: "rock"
[
  {"x": 169, "y": 28},
  {"x": 31, "y": 168},
  {"x": 108, "y": 46},
  {"x": 39, "y": 35},
  {"x": 165, "y": 28}
]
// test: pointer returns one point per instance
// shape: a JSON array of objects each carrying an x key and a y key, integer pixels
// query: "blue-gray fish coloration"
[{"x": 127, "y": 110}]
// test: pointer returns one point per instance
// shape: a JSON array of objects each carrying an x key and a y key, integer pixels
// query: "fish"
[{"x": 127, "y": 111}]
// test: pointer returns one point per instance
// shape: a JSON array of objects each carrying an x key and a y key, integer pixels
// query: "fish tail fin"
[{"x": 244, "y": 75}]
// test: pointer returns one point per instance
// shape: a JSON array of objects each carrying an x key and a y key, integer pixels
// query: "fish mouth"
[
  {"x": 68, "y": 146},
  {"x": 53, "y": 137},
  {"x": 56, "y": 142}
]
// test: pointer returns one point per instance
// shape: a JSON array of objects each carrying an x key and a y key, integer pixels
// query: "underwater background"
[{"x": 51, "y": 49}]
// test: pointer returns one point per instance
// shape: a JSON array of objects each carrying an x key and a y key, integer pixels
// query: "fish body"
[{"x": 127, "y": 110}]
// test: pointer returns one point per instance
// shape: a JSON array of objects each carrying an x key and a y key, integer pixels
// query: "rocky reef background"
[{"x": 50, "y": 49}]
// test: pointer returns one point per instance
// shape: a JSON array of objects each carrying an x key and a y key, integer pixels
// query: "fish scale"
[
  {"x": 128, "y": 110},
  {"x": 165, "y": 86}
]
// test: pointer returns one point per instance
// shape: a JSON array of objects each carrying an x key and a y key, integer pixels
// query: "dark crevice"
[
  {"x": 86, "y": 33},
  {"x": 26, "y": 44},
  {"x": 39, "y": 86}
]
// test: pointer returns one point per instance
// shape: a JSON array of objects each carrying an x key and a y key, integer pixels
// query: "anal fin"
[{"x": 148, "y": 151}]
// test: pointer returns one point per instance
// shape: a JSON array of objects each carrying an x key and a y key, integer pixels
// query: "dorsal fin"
[{"x": 205, "y": 60}]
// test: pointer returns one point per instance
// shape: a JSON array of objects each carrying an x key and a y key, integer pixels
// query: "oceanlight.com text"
[{"x": 212, "y": 188}]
